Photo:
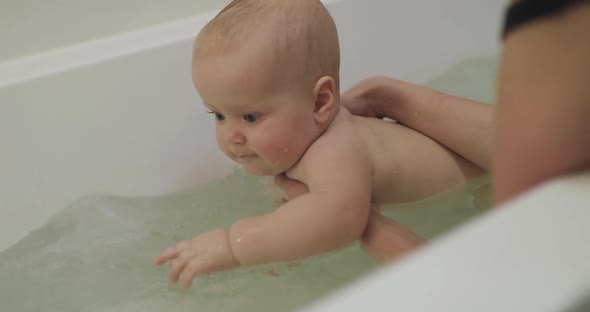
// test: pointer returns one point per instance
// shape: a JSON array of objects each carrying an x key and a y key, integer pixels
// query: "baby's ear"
[{"x": 325, "y": 101}]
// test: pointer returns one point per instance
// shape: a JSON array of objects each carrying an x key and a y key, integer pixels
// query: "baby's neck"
[{"x": 340, "y": 113}]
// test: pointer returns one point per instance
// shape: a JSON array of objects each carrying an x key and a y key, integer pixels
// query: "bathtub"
[{"x": 119, "y": 115}]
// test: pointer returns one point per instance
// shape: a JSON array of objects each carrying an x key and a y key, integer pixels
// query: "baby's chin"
[{"x": 263, "y": 171}]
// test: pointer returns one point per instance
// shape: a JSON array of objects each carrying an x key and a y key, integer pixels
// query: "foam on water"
[{"x": 96, "y": 254}]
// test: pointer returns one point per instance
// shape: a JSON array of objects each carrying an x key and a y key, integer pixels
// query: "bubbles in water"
[{"x": 97, "y": 256}]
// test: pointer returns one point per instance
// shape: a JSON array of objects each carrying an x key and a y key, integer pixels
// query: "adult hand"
[
  {"x": 462, "y": 125},
  {"x": 354, "y": 99}
]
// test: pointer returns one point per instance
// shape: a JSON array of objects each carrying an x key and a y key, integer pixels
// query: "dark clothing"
[{"x": 524, "y": 11}]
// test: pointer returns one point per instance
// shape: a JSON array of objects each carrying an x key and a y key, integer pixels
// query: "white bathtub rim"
[
  {"x": 30, "y": 67},
  {"x": 62, "y": 59},
  {"x": 565, "y": 275}
]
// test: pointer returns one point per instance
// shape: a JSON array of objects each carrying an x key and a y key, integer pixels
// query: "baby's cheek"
[
  {"x": 218, "y": 138},
  {"x": 222, "y": 146},
  {"x": 275, "y": 147},
  {"x": 270, "y": 148}
]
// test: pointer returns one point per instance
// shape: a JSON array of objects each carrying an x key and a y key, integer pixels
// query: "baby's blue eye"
[
  {"x": 251, "y": 118},
  {"x": 219, "y": 116}
]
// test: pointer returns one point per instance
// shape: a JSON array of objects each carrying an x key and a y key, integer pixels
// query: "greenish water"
[
  {"x": 96, "y": 254},
  {"x": 473, "y": 78}
]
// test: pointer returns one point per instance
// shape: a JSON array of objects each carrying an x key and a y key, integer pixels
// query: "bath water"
[{"x": 96, "y": 254}]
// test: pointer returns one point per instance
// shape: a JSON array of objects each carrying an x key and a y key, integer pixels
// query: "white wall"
[{"x": 35, "y": 26}]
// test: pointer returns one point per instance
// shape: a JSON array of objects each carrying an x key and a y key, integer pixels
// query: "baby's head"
[{"x": 269, "y": 71}]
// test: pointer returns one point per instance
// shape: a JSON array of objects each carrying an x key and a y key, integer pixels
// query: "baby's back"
[{"x": 407, "y": 165}]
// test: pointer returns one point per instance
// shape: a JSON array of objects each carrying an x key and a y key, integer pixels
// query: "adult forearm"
[{"x": 462, "y": 125}]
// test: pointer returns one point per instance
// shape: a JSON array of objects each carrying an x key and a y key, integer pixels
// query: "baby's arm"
[
  {"x": 462, "y": 125},
  {"x": 332, "y": 215},
  {"x": 383, "y": 238}
]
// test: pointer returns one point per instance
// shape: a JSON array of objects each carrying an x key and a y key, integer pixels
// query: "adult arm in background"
[
  {"x": 542, "y": 125},
  {"x": 542, "y": 118},
  {"x": 543, "y": 110},
  {"x": 463, "y": 126}
]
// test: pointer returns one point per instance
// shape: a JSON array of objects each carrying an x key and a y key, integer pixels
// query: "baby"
[{"x": 268, "y": 70}]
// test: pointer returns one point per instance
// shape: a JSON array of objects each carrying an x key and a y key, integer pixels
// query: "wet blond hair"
[{"x": 300, "y": 36}]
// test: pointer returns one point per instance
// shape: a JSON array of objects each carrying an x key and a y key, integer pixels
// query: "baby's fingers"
[
  {"x": 178, "y": 265},
  {"x": 170, "y": 253},
  {"x": 193, "y": 268}
]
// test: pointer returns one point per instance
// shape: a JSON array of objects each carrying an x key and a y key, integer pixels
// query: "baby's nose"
[{"x": 235, "y": 136}]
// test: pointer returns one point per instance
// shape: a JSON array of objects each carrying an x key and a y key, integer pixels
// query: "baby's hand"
[{"x": 207, "y": 253}]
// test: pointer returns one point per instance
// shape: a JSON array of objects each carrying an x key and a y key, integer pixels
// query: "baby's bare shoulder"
[{"x": 338, "y": 148}]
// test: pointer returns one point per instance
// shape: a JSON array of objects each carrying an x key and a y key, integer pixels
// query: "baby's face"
[{"x": 263, "y": 129}]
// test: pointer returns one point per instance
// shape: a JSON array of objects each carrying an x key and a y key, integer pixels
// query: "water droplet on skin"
[
  {"x": 285, "y": 150},
  {"x": 248, "y": 232}
]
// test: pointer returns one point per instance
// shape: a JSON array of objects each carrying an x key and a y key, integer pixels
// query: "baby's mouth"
[{"x": 243, "y": 156}]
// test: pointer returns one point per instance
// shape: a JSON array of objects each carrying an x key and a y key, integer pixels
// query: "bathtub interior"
[
  {"x": 61, "y": 266},
  {"x": 131, "y": 125},
  {"x": 132, "y": 230}
]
